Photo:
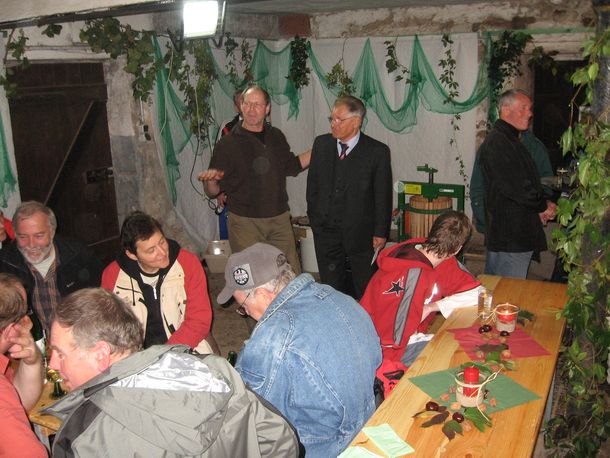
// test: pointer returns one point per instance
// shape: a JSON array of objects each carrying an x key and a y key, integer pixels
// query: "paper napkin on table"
[
  {"x": 520, "y": 343},
  {"x": 506, "y": 391},
  {"x": 387, "y": 440},
  {"x": 357, "y": 452}
]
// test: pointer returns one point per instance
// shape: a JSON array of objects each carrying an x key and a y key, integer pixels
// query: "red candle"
[{"x": 471, "y": 376}]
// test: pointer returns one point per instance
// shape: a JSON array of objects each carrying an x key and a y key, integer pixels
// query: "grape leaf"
[
  {"x": 477, "y": 418},
  {"x": 509, "y": 364},
  {"x": 436, "y": 420},
  {"x": 526, "y": 315},
  {"x": 491, "y": 347},
  {"x": 452, "y": 427},
  {"x": 482, "y": 367},
  {"x": 425, "y": 413},
  {"x": 493, "y": 356}
]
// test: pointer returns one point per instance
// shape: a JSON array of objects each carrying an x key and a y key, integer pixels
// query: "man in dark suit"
[{"x": 349, "y": 198}]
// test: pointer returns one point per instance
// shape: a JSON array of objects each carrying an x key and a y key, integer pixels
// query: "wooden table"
[
  {"x": 48, "y": 423},
  {"x": 514, "y": 430}
]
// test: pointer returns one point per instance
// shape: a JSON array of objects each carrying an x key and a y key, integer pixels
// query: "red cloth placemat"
[{"x": 520, "y": 343}]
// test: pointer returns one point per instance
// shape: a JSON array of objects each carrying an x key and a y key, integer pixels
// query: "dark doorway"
[
  {"x": 62, "y": 149},
  {"x": 552, "y": 96}
]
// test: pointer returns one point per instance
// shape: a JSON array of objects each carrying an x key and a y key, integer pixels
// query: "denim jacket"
[{"x": 313, "y": 355}]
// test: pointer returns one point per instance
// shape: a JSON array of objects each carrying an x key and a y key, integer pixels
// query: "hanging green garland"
[
  {"x": 504, "y": 63},
  {"x": 299, "y": 72},
  {"x": 392, "y": 64},
  {"x": 15, "y": 46},
  {"x": 447, "y": 79}
]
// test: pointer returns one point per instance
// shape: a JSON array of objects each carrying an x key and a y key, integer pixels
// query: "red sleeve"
[
  {"x": 109, "y": 276},
  {"x": 8, "y": 227},
  {"x": 198, "y": 313},
  {"x": 18, "y": 439},
  {"x": 452, "y": 278}
]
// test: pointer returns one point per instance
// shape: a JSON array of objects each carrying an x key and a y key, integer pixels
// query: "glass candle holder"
[{"x": 506, "y": 317}]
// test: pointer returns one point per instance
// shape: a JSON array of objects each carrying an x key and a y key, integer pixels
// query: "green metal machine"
[{"x": 430, "y": 191}]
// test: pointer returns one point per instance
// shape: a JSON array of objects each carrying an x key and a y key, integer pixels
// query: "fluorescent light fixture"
[{"x": 202, "y": 18}]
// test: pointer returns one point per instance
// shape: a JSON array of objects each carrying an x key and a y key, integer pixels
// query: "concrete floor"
[{"x": 229, "y": 329}]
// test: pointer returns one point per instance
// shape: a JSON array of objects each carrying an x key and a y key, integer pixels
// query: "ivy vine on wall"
[
  {"x": 582, "y": 426},
  {"x": 195, "y": 79},
  {"x": 505, "y": 62},
  {"x": 392, "y": 64},
  {"x": 15, "y": 47},
  {"x": 447, "y": 79},
  {"x": 234, "y": 63},
  {"x": 110, "y": 36}
]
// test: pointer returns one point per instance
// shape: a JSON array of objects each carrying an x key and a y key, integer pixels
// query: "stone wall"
[
  {"x": 508, "y": 15},
  {"x": 139, "y": 176}
]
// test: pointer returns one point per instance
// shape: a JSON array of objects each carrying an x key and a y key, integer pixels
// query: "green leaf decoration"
[
  {"x": 436, "y": 420},
  {"x": 483, "y": 369},
  {"x": 493, "y": 356},
  {"x": 486, "y": 348},
  {"x": 477, "y": 418},
  {"x": 525, "y": 314},
  {"x": 452, "y": 427},
  {"x": 425, "y": 414},
  {"x": 508, "y": 364}
]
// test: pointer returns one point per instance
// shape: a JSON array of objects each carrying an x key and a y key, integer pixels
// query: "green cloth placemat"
[
  {"x": 387, "y": 440},
  {"x": 357, "y": 452},
  {"x": 507, "y": 392}
]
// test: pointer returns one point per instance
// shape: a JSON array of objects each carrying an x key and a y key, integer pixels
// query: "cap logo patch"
[{"x": 241, "y": 275}]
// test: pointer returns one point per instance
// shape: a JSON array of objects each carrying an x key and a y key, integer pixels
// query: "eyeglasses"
[
  {"x": 241, "y": 310},
  {"x": 255, "y": 105},
  {"x": 340, "y": 120}
]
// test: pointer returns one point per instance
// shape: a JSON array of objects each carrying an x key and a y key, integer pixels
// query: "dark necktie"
[{"x": 343, "y": 153}]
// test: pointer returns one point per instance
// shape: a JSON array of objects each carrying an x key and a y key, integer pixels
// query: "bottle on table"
[{"x": 232, "y": 358}]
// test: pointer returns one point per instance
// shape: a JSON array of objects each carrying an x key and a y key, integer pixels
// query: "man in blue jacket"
[{"x": 313, "y": 353}]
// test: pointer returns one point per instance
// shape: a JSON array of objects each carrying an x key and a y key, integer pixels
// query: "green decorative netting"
[
  {"x": 424, "y": 87},
  {"x": 269, "y": 69},
  {"x": 7, "y": 178}
]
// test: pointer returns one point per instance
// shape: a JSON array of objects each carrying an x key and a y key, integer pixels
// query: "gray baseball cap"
[{"x": 251, "y": 268}]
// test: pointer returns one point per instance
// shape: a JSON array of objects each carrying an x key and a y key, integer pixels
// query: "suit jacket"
[{"x": 367, "y": 195}]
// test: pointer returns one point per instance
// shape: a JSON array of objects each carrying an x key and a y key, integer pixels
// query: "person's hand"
[
  {"x": 549, "y": 213},
  {"x": 428, "y": 309},
  {"x": 211, "y": 175},
  {"x": 23, "y": 346},
  {"x": 305, "y": 159},
  {"x": 378, "y": 242},
  {"x": 222, "y": 199}
]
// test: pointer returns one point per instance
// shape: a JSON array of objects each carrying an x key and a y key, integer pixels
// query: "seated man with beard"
[{"x": 49, "y": 266}]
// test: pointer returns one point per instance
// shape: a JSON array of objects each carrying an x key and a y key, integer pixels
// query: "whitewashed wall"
[{"x": 427, "y": 142}]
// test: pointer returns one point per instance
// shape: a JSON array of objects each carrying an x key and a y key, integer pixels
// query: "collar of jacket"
[
  {"x": 240, "y": 130},
  {"x": 386, "y": 261},
  {"x": 508, "y": 128},
  {"x": 284, "y": 295}
]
